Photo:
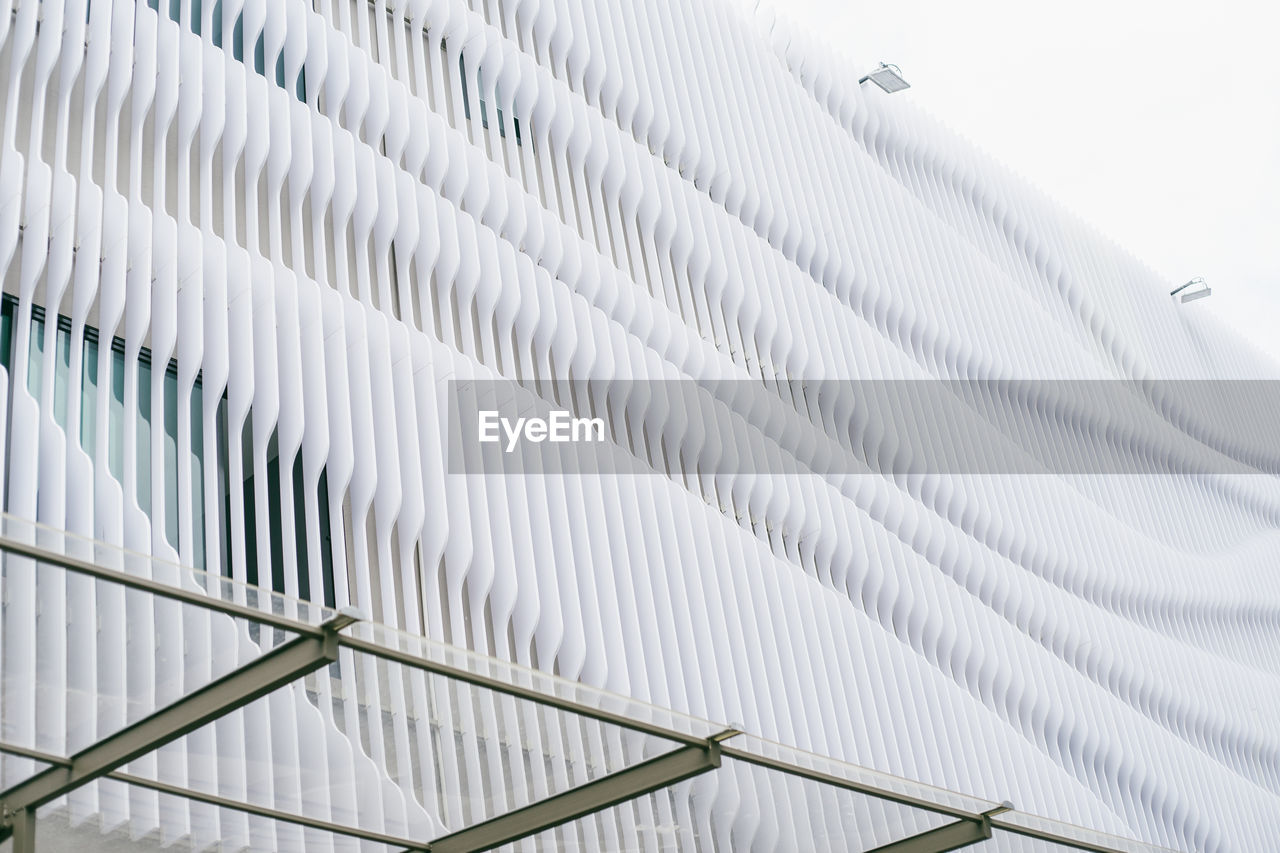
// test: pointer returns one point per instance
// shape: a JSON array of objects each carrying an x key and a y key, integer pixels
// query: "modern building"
[{"x": 254, "y": 254}]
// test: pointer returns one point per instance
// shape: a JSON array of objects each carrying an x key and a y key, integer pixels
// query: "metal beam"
[
  {"x": 410, "y": 846},
  {"x": 164, "y": 590},
  {"x": 276, "y": 668},
  {"x": 23, "y": 827},
  {"x": 221, "y": 802},
  {"x": 847, "y": 784},
  {"x": 34, "y": 754},
  {"x": 272, "y": 814},
  {"x": 952, "y": 836},
  {"x": 322, "y": 633},
  {"x": 369, "y": 647},
  {"x": 636, "y": 781},
  {"x": 286, "y": 623},
  {"x": 1073, "y": 842}
]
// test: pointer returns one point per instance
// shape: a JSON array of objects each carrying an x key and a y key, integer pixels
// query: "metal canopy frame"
[
  {"x": 951, "y": 836},
  {"x": 644, "y": 778},
  {"x": 316, "y": 646},
  {"x": 279, "y": 666}
]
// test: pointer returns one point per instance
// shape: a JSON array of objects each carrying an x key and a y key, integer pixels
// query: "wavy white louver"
[{"x": 275, "y": 231}]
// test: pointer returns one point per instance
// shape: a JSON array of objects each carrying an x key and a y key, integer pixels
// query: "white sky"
[{"x": 1157, "y": 122}]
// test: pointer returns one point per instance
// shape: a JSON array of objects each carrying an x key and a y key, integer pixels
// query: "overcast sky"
[{"x": 1157, "y": 122}]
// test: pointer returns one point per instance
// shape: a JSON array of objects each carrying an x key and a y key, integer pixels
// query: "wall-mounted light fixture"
[
  {"x": 1192, "y": 290},
  {"x": 887, "y": 77}
]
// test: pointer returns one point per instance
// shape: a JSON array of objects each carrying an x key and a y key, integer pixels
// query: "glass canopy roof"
[{"x": 229, "y": 713}]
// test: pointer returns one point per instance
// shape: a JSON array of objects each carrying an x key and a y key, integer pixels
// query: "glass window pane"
[
  {"x": 143, "y": 437},
  {"x": 35, "y": 359},
  {"x": 197, "y": 477},
  {"x": 89, "y": 399},
  {"x": 6, "y": 332},
  {"x": 115, "y": 456},
  {"x": 61, "y": 375},
  {"x": 171, "y": 457}
]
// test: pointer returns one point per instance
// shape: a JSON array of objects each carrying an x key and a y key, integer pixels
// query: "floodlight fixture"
[
  {"x": 1192, "y": 290},
  {"x": 887, "y": 77}
]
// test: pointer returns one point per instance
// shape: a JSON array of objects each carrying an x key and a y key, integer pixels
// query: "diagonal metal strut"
[
  {"x": 619, "y": 787},
  {"x": 951, "y": 836},
  {"x": 276, "y": 668},
  {"x": 22, "y": 825},
  {"x": 19, "y": 823},
  {"x": 199, "y": 796}
]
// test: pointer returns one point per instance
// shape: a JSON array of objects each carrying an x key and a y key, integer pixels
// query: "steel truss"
[{"x": 316, "y": 646}]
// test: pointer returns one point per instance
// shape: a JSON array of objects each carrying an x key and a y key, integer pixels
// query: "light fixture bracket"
[
  {"x": 888, "y": 77},
  {"x": 1198, "y": 290}
]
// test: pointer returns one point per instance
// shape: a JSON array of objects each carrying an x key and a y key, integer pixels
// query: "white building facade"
[{"x": 248, "y": 244}]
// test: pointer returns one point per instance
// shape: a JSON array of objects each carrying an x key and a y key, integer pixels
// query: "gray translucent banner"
[{"x": 891, "y": 427}]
